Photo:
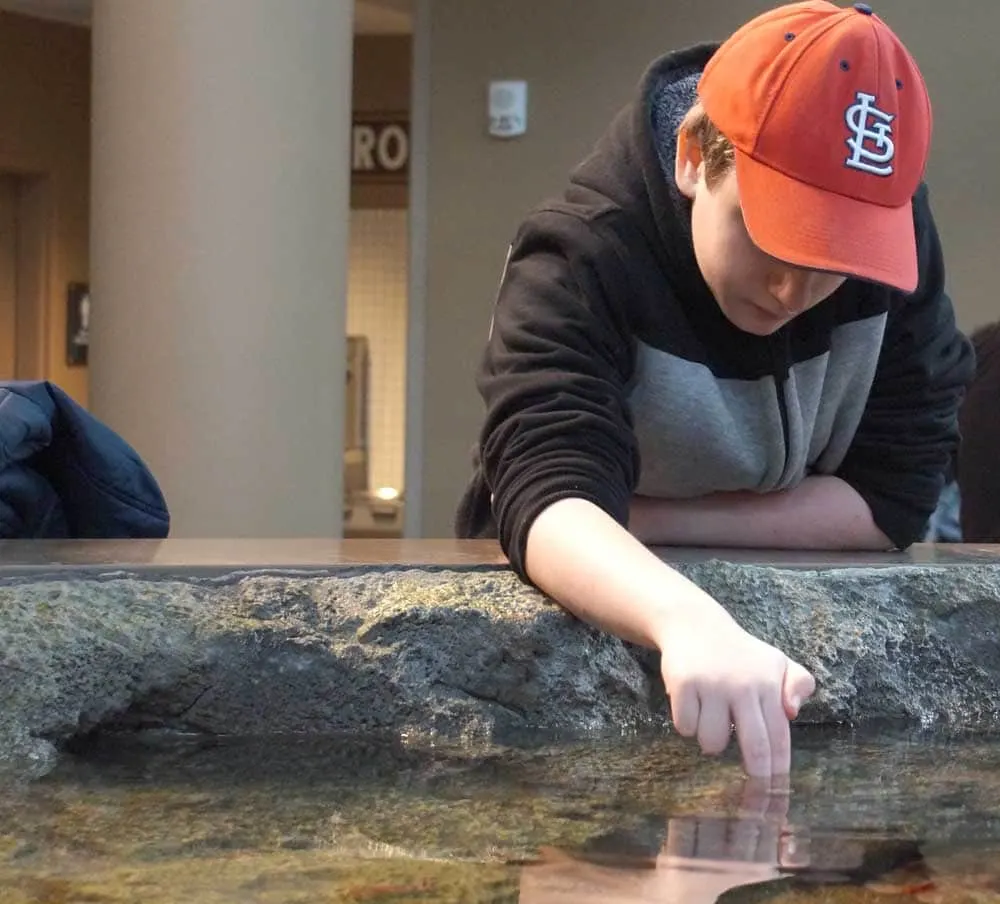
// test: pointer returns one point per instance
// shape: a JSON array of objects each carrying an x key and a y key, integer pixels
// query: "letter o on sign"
[{"x": 392, "y": 149}]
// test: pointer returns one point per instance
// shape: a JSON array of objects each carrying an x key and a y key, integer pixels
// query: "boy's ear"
[{"x": 689, "y": 166}]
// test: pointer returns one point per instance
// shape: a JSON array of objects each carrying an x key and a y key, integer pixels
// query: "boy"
[{"x": 732, "y": 330}]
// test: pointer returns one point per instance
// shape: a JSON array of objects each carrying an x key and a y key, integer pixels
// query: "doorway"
[{"x": 23, "y": 284}]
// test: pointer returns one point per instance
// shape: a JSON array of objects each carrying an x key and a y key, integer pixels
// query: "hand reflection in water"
[{"x": 701, "y": 859}]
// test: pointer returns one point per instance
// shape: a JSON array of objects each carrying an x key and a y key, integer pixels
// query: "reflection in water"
[
  {"x": 701, "y": 858},
  {"x": 620, "y": 821},
  {"x": 704, "y": 857}
]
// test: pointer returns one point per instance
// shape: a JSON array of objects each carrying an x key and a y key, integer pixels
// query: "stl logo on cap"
[{"x": 869, "y": 123}]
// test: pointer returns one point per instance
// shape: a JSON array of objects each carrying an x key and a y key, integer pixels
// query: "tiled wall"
[{"x": 377, "y": 308}]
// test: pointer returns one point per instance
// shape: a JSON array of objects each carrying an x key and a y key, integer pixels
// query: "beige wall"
[
  {"x": 955, "y": 46},
  {"x": 45, "y": 130},
  {"x": 582, "y": 59}
]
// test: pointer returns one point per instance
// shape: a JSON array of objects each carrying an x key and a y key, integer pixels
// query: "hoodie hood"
[
  {"x": 632, "y": 168},
  {"x": 635, "y": 157}
]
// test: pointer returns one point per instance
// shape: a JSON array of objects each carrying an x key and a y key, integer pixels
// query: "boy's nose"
[{"x": 796, "y": 290}]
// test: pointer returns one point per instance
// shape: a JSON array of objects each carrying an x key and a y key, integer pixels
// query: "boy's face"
[{"x": 757, "y": 293}]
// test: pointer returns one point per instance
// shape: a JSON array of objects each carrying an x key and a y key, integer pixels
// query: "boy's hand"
[{"x": 717, "y": 676}]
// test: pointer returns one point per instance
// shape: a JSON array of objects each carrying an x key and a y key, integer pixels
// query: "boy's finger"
[
  {"x": 799, "y": 685},
  {"x": 714, "y": 726},
  {"x": 778, "y": 732},
  {"x": 685, "y": 709},
  {"x": 754, "y": 738}
]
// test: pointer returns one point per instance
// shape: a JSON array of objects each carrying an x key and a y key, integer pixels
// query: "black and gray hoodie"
[{"x": 610, "y": 369}]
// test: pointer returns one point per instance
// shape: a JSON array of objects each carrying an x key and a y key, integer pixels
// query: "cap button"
[{"x": 863, "y": 8}]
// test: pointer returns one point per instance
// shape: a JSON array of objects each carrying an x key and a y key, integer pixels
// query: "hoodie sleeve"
[
  {"x": 553, "y": 377},
  {"x": 908, "y": 434}
]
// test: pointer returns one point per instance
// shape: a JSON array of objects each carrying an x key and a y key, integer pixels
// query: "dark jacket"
[
  {"x": 979, "y": 454},
  {"x": 64, "y": 474},
  {"x": 610, "y": 369}
]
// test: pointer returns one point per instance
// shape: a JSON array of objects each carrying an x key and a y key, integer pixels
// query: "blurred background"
[{"x": 261, "y": 239}]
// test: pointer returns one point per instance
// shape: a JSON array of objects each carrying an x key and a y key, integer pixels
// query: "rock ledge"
[{"x": 462, "y": 653}]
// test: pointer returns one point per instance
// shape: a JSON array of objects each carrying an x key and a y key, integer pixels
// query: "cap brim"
[{"x": 821, "y": 230}]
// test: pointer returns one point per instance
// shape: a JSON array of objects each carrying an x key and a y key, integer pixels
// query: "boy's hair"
[{"x": 716, "y": 150}]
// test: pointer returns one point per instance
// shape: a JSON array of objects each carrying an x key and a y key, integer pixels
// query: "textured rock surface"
[{"x": 472, "y": 653}]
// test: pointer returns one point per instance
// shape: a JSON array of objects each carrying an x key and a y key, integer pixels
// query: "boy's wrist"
[{"x": 680, "y": 607}]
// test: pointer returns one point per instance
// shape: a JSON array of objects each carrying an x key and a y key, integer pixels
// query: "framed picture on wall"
[{"x": 77, "y": 324}]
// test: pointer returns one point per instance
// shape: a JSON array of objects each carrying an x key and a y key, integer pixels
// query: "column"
[{"x": 219, "y": 235}]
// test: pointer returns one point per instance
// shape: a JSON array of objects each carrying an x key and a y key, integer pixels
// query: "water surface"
[{"x": 865, "y": 818}]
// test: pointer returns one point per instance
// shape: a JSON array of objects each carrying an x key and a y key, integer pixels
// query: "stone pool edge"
[{"x": 436, "y": 651}]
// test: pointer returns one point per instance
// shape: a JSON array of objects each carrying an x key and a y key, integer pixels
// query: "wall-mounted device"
[{"x": 508, "y": 109}]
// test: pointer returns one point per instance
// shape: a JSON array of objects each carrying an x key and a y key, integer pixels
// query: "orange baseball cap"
[{"x": 831, "y": 125}]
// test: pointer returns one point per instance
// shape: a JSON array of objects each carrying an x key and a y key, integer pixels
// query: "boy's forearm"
[
  {"x": 820, "y": 513},
  {"x": 583, "y": 559}
]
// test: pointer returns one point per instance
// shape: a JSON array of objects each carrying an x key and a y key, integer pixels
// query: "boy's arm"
[
  {"x": 560, "y": 457},
  {"x": 715, "y": 673},
  {"x": 889, "y": 483},
  {"x": 903, "y": 449},
  {"x": 553, "y": 378},
  {"x": 820, "y": 513}
]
